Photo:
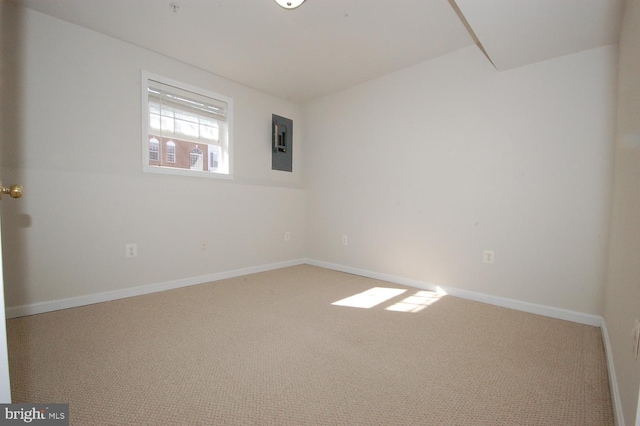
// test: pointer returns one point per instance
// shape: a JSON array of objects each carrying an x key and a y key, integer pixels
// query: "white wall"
[
  {"x": 622, "y": 298},
  {"x": 422, "y": 169},
  {"x": 74, "y": 116},
  {"x": 426, "y": 167}
]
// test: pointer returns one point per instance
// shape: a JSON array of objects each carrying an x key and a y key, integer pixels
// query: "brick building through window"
[{"x": 188, "y": 129}]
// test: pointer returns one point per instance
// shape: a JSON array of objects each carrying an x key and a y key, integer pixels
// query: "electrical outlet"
[
  {"x": 636, "y": 339},
  {"x": 203, "y": 245},
  {"x": 131, "y": 250},
  {"x": 287, "y": 236},
  {"x": 345, "y": 240},
  {"x": 488, "y": 256}
]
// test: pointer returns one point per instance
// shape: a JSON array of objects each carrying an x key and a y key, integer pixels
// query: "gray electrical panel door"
[{"x": 281, "y": 143}]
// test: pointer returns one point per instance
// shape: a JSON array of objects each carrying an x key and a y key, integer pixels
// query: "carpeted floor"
[{"x": 273, "y": 349}]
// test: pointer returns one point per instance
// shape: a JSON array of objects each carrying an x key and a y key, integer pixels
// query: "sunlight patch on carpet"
[
  {"x": 416, "y": 302},
  {"x": 370, "y": 298}
]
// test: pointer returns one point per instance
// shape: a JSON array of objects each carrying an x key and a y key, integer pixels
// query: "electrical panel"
[{"x": 281, "y": 143}]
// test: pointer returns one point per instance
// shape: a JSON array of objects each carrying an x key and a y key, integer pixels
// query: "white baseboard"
[
  {"x": 533, "y": 308},
  {"x": 53, "y": 305},
  {"x": 72, "y": 302},
  {"x": 613, "y": 381},
  {"x": 370, "y": 274}
]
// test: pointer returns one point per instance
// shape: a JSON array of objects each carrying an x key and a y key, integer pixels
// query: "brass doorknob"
[{"x": 15, "y": 191}]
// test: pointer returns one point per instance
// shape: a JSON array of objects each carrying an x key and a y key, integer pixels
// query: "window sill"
[{"x": 185, "y": 172}]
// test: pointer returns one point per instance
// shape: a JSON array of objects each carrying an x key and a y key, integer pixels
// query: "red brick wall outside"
[{"x": 183, "y": 153}]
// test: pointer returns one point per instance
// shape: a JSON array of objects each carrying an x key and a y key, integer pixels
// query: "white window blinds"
[{"x": 193, "y": 116}]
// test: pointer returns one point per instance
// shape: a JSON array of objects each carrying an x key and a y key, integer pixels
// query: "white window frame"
[{"x": 226, "y": 140}]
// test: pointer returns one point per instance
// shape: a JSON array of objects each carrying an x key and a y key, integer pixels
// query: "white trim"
[
  {"x": 370, "y": 274},
  {"x": 533, "y": 308},
  {"x": 73, "y": 302},
  {"x": 174, "y": 171},
  {"x": 618, "y": 415}
]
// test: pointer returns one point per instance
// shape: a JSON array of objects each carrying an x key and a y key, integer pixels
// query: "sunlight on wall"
[{"x": 370, "y": 298}]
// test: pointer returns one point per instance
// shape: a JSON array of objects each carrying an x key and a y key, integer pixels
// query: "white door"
[{"x": 5, "y": 388}]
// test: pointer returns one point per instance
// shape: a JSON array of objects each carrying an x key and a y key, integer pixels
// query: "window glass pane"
[
  {"x": 167, "y": 124},
  {"x": 154, "y": 121},
  {"x": 186, "y": 128},
  {"x": 186, "y": 117},
  {"x": 209, "y": 132},
  {"x": 205, "y": 121}
]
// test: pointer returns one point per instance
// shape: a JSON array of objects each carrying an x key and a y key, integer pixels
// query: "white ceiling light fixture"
[{"x": 290, "y": 4}]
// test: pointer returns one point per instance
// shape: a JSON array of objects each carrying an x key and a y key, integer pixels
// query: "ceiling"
[{"x": 328, "y": 45}]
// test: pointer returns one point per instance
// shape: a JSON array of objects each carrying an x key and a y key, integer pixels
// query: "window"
[
  {"x": 214, "y": 155},
  {"x": 171, "y": 152},
  {"x": 196, "y": 156},
  {"x": 187, "y": 131},
  {"x": 154, "y": 150}
]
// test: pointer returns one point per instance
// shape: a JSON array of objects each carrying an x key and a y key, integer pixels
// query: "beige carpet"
[{"x": 272, "y": 349}]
